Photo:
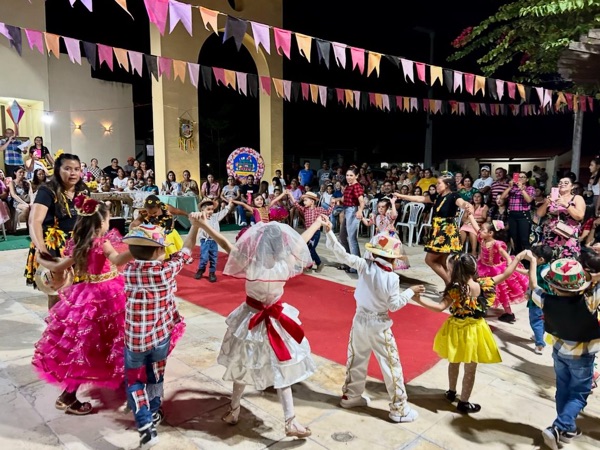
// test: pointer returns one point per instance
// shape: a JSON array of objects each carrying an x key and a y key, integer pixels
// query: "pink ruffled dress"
[
  {"x": 84, "y": 339},
  {"x": 490, "y": 264}
]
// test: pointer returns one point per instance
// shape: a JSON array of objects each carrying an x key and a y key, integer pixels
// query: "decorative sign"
[
  {"x": 186, "y": 133},
  {"x": 245, "y": 161}
]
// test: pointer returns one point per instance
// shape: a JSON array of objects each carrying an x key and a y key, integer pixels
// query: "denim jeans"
[
  {"x": 536, "y": 321},
  {"x": 312, "y": 247},
  {"x": 349, "y": 231},
  {"x": 242, "y": 213},
  {"x": 208, "y": 254},
  {"x": 144, "y": 376},
  {"x": 573, "y": 385}
]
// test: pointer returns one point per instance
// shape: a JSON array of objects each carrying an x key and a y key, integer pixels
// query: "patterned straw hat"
[
  {"x": 566, "y": 274},
  {"x": 385, "y": 245},
  {"x": 147, "y": 235},
  {"x": 44, "y": 279}
]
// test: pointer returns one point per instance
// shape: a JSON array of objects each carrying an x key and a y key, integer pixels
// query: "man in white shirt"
[{"x": 484, "y": 183}]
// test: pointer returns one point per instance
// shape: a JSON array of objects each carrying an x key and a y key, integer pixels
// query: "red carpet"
[{"x": 326, "y": 311}]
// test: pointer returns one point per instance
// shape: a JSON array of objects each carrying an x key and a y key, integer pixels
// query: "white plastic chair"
[
  {"x": 424, "y": 224},
  {"x": 410, "y": 220}
]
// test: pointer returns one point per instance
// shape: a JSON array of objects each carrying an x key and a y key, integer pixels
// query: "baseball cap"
[{"x": 486, "y": 168}]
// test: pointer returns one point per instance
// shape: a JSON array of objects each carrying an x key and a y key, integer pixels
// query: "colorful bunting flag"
[
  {"x": 73, "y": 49},
  {"x": 179, "y": 69},
  {"x": 339, "y": 51},
  {"x": 210, "y": 17},
  {"x": 105, "y": 55},
  {"x": 261, "y": 36},
  {"x": 304, "y": 45},
  {"x": 180, "y": 12},
  {"x": 35, "y": 40},
  {"x": 358, "y": 58},
  {"x": 283, "y": 41},
  {"x": 420, "y": 71},
  {"x": 236, "y": 29},
  {"x": 157, "y": 13},
  {"x": 324, "y": 51},
  {"x": 194, "y": 73}
]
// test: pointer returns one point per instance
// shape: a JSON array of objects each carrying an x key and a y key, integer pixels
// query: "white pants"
[{"x": 371, "y": 332}]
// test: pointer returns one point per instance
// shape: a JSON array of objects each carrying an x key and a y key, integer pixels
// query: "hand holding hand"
[
  {"x": 326, "y": 222},
  {"x": 418, "y": 289}
]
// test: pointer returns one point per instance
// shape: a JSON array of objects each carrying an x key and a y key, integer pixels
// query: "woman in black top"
[
  {"x": 445, "y": 238},
  {"x": 43, "y": 152}
]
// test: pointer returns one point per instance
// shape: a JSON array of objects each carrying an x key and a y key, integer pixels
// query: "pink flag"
[
  {"x": 73, "y": 49},
  {"x": 356, "y": 95},
  {"x": 340, "y": 95},
  {"x": 4, "y": 31},
  {"x": 180, "y": 12},
  {"x": 304, "y": 87},
  {"x": 399, "y": 101},
  {"x": 458, "y": 81},
  {"x": 358, "y": 58},
  {"x": 540, "y": 93},
  {"x": 339, "y": 50},
  {"x": 164, "y": 66},
  {"x": 323, "y": 95},
  {"x": 157, "y": 13},
  {"x": 35, "y": 39},
  {"x": 425, "y": 104},
  {"x": 420, "y": 71},
  {"x": 287, "y": 89},
  {"x": 372, "y": 100},
  {"x": 210, "y": 17},
  {"x": 386, "y": 102},
  {"x": 105, "y": 54},
  {"x": 591, "y": 103},
  {"x": 569, "y": 98},
  {"x": 408, "y": 69},
  {"x": 137, "y": 61},
  {"x": 414, "y": 104},
  {"x": 547, "y": 97},
  {"x": 194, "y": 73},
  {"x": 461, "y": 108},
  {"x": 500, "y": 88},
  {"x": 219, "y": 75},
  {"x": 242, "y": 82},
  {"x": 511, "y": 89},
  {"x": 265, "y": 84},
  {"x": 283, "y": 41},
  {"x": 469, "y": 82},
  {"x": 261, "y": 36},
  {"x": 582, "y": 104}
]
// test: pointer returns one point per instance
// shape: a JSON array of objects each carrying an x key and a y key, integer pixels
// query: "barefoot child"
[
  {"x": 465, "y": 337},
  {"x": 377, "y": 292}
]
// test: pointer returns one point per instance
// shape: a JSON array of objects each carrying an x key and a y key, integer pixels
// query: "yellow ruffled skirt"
[
  {"x": 467, "y": 340},
  {"x": 173, "y": 237}
]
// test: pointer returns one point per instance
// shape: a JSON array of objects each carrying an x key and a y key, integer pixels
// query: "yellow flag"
[
  {"x": 373, "y": 61},
  {"x": 304, "y": 45},
  {"x": 121, "y": 55}
]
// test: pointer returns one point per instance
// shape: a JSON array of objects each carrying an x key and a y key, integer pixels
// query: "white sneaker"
[
  {"x": 539, "y": 350},
  {"x": 354, "y": 402},
  {"x": 410, "y": 415}
]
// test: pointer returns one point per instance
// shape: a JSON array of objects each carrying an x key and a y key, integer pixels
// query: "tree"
[{"x": 531, "y": 34}]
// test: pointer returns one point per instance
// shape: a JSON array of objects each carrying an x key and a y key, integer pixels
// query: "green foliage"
[{"x": 530, "y": 33}]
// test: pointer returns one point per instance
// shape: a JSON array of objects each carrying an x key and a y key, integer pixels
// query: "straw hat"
[
  {"x": 44, "y": 278},
  {"x": 566, "y": 274},
  {"x": 146, "y": 235},
  {"x": 311, "y": 195},
  {"x": 385, "y": 245}
]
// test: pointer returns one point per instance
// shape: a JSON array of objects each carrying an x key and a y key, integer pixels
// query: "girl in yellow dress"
[
  {"x": 466, "y": 337},
  {"x": 158, "y": 213}
]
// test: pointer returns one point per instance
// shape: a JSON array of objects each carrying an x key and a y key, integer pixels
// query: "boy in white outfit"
[{"x": 377, "y": 292}]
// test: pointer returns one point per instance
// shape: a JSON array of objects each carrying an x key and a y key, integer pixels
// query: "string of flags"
[
  {"x": 455, "y": 81},
  {"x": 249, "y": 84}
]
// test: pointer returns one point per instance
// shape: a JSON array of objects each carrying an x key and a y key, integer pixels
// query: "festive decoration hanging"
[
  {"x": 15, "y": 112},
  {"x": 186, "y": 134}
]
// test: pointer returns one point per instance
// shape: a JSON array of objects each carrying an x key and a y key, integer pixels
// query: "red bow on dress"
[{"x": 275, "y": 311}]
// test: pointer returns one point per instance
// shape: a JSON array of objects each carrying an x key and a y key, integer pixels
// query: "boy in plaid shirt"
[{"x": 152, "y": 322}]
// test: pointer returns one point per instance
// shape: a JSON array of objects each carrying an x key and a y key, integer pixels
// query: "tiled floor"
[{"x": 516, "y": 395}]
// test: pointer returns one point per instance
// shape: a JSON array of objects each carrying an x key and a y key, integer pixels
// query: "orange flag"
[
  {"x": 278, "y": 86},
  {"x": 304, "y": 45},
  {"x": 121, "y": 55},
  {"x": 349, "y": 97},
  {"x": 52, "y": 44},
  {"x": 435, "y": 73},
  {"x": 575, "y": 103},
  {"x": 521, "y": 90},
  {"x": 123, "y": 4},
  {"x": 378, "y": 101},
  {"x": 479, "y": 84},
  {"x": 561, "y": 100},
  {"x": 406, "y": 104},
  {"x": 314, "y": 93},
  {"x": 432, "y": 105},
  {"x": 179, "y": 69},
  {"x": 373, "y": 61},
  {"x": 210, "y": 17},
  {"x": 230, "y": 78}
]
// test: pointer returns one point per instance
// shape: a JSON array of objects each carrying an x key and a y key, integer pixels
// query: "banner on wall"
[{"x": 245, "y": 161}]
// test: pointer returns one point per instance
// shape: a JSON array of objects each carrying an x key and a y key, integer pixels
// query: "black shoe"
[
  {"x": 551, "y": 437},
  {"x": 450, "y": 395},
  {"x": 199, "y": 274},
  {"x": 350, "y": 270},
  {"x": 148, "y": 437},
  {"x": 468, "y": 408},
  {"x": 212, "y": 277},
  {"x": 508, "y": 318},
  {"x": 568, "y": 436},
  {"x": 157, "y": 417}
]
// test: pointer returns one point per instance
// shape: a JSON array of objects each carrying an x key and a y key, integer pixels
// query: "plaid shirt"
[
  {"x": 311, "y": 214},
  {"x": 516, "y": 202},
  {"x": 151, "y": 312},
  {"x": 352, "y": 193},
  {"x": 13, "y": 155}
]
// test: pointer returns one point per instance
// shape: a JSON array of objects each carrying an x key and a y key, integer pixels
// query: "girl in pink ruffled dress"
[
  {"x": 493, "y": 260},
  {"x": 84, "y": 339}
]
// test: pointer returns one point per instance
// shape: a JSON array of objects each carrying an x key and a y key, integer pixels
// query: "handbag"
[{"x": 564, "y": 230}]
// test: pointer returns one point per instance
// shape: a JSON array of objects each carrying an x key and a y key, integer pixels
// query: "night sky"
[{"x": 229, "y": 120}]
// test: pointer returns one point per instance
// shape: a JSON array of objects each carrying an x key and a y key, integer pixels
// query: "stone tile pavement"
[{"x": 516, "y": 395}]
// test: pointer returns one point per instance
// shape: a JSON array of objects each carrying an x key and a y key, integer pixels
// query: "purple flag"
[
  {"x": 73, "y": 49},
  {"x": 236, "y": 29},
  {"x": 339, "y": 50},
  {"x": 137, "y": 62},
  {"x": 165, "y": 65},
  {"x": 261, "y": 36},
  {"x": 36, "y": 40},
  {"x": 242, "y": 82},
  {"x": 180, "y": 12},
  {"x": 194, "y": 72}
]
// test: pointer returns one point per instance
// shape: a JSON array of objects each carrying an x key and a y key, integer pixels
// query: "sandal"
[
  {"x": 450, "y": 395},
  {"x": 468, "y": 408},
  {"x": 291, "y": 429},
  {"x": 79, "y": 409},
  {"x": 232, "y": 416},
  {"x": 61, "y": 405}
]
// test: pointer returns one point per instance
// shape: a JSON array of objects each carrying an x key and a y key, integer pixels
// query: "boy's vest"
[{"x": 569, "y": 318}]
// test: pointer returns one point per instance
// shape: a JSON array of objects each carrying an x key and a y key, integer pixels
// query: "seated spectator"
[
  {"x": 327, "y": 196},
  {"x": 43, "y": 153},
  {"x": 467, "y": 191},
  {"x": 39, "y": 178},
  {"x": 129, "y": 167},
  {"x": 120, "y": 182},
  {"x": 170, "y": 186},
  {"x": 94, "y": 169},
  {"x": 21, "y": 194},
  {"x": 229, "y": 192},
  {"x": 150, "y": 186},
  {"x": 35, "y": 162},
  {"x": 499, "y": 211},
  {"x": 276, "y": 183},
  {"x": 4, "y": 210},
  {"x": 112, "y": 171},
  {"x": 148, "y": 172},
  {"x": 138, "y": 178},
  {"x": 189, "y": 186}
]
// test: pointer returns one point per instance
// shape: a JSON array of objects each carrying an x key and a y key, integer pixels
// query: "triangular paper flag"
[
  {"x": 180, "y": 12},
  {"x": 157, "y": 13},
  {"x": 73, "y": 49},
  {"x": 547, "y": 97},
  {"x": 323, "y": 95},
  {"x": 324, "y": 51},
  {"x": 461, "y": 109},
  {"x": 448, "y": 79},
  {"x": 458, "y": 80},
  {"x": 339, "y": 51},
  {"x": 540, "y": 94},
  {"x": 511, "y": 89},
  {"x": 492, "y": 88},
  {"x": 194, "y": 73},
  {"x": 420, "y": 71},
  {"x": 348, "y": 97},
  {"x": 241, "y": 78},
  {"x": 165, "y": 66},
  {"x": 287, "y": 90},
  {"x": 527, "y": 94},
  {"x": 35, "y": 39},
  {"x": 209, "y": 17},
  {"x": 207, "y": 77},
  {"x": 261, "y": 36},
  {"x": 500, "y": 88},
  {"x": 356, "y": 99},
  {"x": 407, "y": 68},
  {"x": 230, "y": 78},
  {"x": 304, "y": 45},
  {"x": 373, "y": 62},
  {"x": 123, "y": 4},
  {"x": 414, "y": 104},
  {"x": 121, "y": 55},
  {"x": 372, "y": 100},
  {"x": 394, "y": 60},
  {"x": 152, "y": 65},
  {"x": 16, "y": 38},
  {"x": 314, "y": 92},
  {"x": 340, "y": 95},
  {"x": 91, "y": 53},
  {"x": 295, "y": 88},
  {"x": 265, "y": 85},
  {"x": 560, "y": 100},
  {"x": 406, "y": 104},
  {"x": 53, "y": 44},
  {"x": 385, "y": 102},
  {"x": 469, "y": 82},
  {"x": 219, "y": 75},
  {"x": 87, "y": 4},
  {"x": 252, "y": 82},
  {"x": 435, "y": 74},
  {"x": 569, "y": 98},
  {"x": 582, "y": 104},
  {"x": 4, "y": 31},
  {"x": 105, "y": 54},
  {"x": 179, "y": 69},
  {"x": 304, "y": 87},
  {"x": 283, "y": 41},
  {"x": 137, "y": 61},
  {"x": 358, "y": 58},
  {"x": 235, "y": 28},
  {"x": 479, "y": 84},
  {"x": 521, "y": 90}
]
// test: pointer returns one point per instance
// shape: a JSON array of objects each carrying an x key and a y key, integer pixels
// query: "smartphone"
[
  {"x": 554, "y": 193},
  {"x": 516, "y": 177}
]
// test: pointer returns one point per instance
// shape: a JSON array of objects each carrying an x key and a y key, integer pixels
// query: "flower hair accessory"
[
  {"x": 498, "y": 225},
  {"x": 85, "y": 206}
]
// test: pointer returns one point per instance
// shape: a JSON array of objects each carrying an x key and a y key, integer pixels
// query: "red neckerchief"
[{"x": 386, "y": 268}]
